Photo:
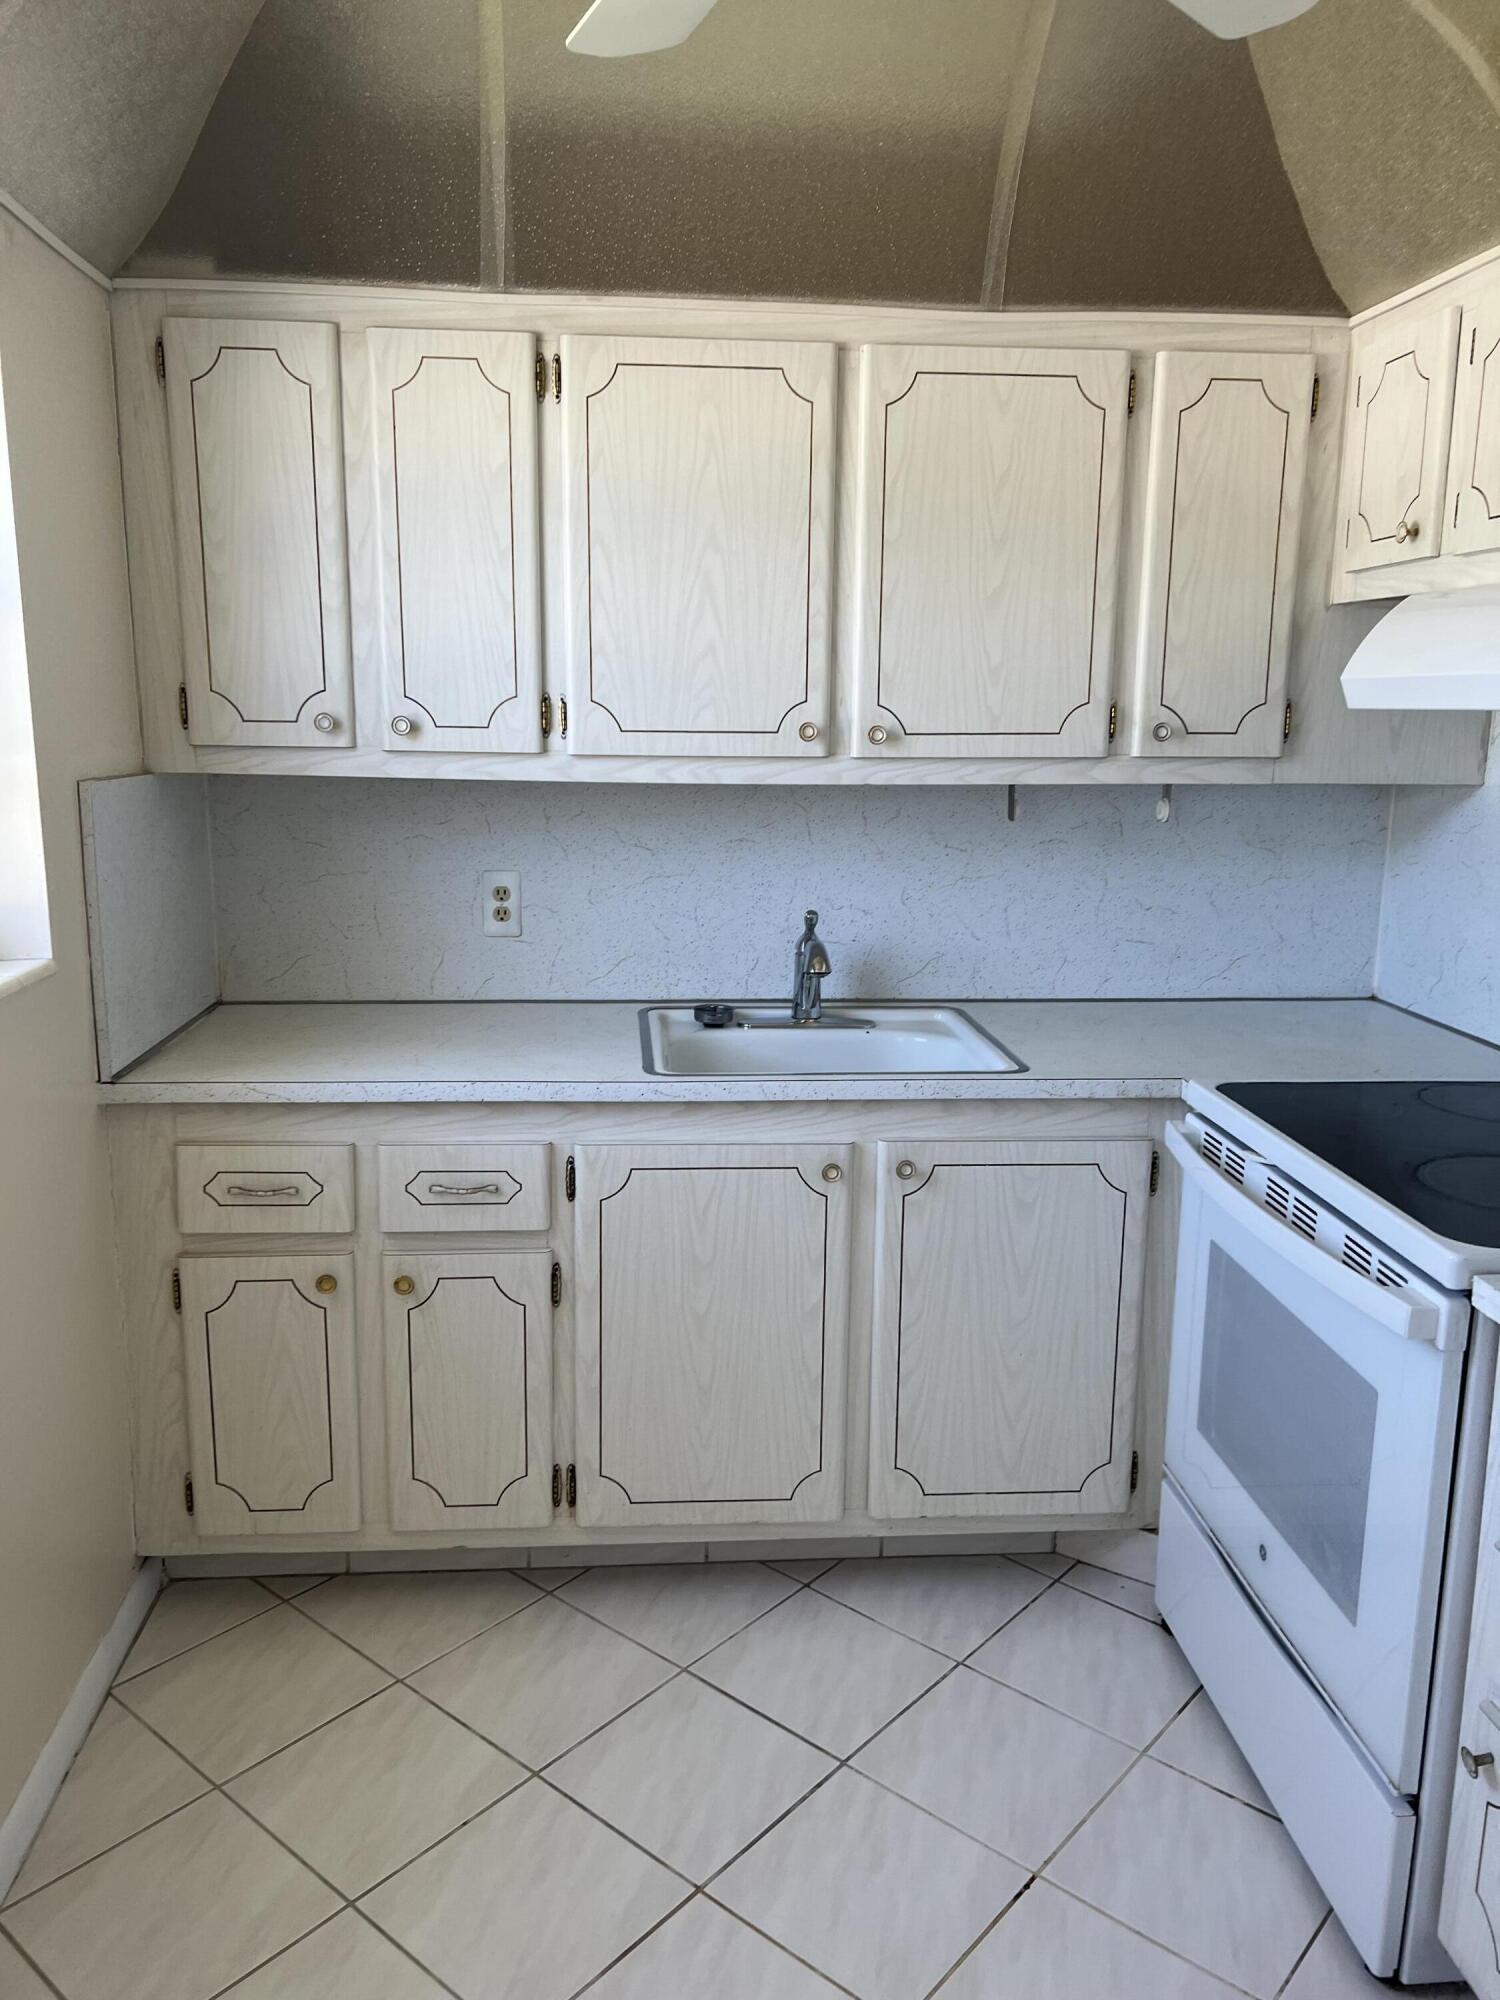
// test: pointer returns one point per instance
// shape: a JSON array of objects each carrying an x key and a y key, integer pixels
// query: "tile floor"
[{"x": 985, "y": 1777}]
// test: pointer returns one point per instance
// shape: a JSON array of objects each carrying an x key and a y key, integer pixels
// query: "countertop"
[{"x": 404, "y": 1052}]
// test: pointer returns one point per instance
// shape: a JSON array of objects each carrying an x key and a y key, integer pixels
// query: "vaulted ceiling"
[{"x": 1004, "y": 153}]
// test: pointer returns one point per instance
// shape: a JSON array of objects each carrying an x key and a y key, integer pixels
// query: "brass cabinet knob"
[
  {"x": 1161, "y": 731},
  {"x": 808, "y": 732},
  {"x": 906, "y": 1170},
  {"x": 877, "y": 732},
  {"x": 1475, "y": 1761},
  {"x": 404, "y": 1286},
  {"x": 325, "y": 723},
  {"x": 833, "y": 1171},
  {"x": 402, "y": 725},
  {"x": 1408, "y": 531},
  {"x": 327, "y": 1283}
]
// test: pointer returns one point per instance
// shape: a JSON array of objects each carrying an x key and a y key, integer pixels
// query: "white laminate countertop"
[{"x": 490, "y": 1051}]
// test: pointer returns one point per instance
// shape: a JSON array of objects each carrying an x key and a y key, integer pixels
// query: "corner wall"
[{"x": 65, "y": 1516}]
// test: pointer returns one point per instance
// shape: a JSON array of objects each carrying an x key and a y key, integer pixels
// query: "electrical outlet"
[{"x": 500, "y": 905}]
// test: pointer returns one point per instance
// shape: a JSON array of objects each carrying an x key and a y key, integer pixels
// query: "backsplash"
[{"x": 339, "y": 889}]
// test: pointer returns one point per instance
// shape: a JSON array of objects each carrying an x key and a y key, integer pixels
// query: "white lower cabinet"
[
  {"x": 711, "y": 1319},
  {"x": 1007, "y": 1321},
  {"x": 468, "y": 1369},
  {"x": 269, "y": 1349}
]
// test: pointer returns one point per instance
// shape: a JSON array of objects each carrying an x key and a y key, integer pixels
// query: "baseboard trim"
[{"x": 23, "y": 1822}]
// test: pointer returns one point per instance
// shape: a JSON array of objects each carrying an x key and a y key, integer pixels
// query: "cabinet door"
[
  {"x": 1472, "y": 519},
  {"x": 1007, "y": 1318},
  {"x": 988, "y": 550},
  {"x": 258, "y": 490},
  {"x": 269, "y": 1345},
  {"x": 1219, "y": 562},
  {"x": 1470, "y": 1920},
  {"x": 1396, "y": 442},
  {"x": 698, "y": 504},
  {"x": 454, "y": 423},
  {"x": 468, "y": 1354},
  {"x": 712, "y": 1306}
]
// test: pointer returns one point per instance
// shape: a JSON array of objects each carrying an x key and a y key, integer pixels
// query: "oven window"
[{"x": 1293, "y": 1422}]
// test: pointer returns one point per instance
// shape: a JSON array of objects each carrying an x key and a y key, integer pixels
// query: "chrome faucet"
[{"x": 810, "y": 968}]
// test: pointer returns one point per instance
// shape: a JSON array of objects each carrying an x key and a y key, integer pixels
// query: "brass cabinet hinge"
[
  {"x": 187, "y": 1492},
  {"x": 546, "y": 716},
  {"x": 1135, "y": 1470},
  {"x": 572, "y": 1485},
  {"x": 1286, "y": 723},
  {"x": 1317, "y": 397},
  {"x": 562, "y": 715},
  {"x": 557, "y": 378},
  {"x": 176, "y": 1291},
  {"x": 541, "y": 378},
  {"x": 1130, "y": 397},
  {"x": 557, "y": 1284},
  {"x": 1155, "y": 1170},
  {"x": 182, "y": 707},
  {"x": 161, "y": 359},
  {"x": 557, "y": 1485},
  {"x": 570, "y": 1180},
  {"x": 1114, "y": 719}
]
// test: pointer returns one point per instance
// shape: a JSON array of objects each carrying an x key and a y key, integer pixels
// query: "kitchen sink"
[{"x": 849, "y": 1040}]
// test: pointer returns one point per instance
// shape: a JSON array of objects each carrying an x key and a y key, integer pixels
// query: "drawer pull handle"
[
  {"x": 1475, "y": 1761},
  {"x": 262, "y": 1193},
  {"x": 479, "y": 1187}
]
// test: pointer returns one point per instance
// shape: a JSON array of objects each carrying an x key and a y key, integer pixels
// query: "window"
[{"x": 25, "y": 933}]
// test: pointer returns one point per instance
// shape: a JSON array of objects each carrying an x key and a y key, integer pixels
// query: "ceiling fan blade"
[
  {"x": 1231, "y": 20},
  {"x": 635, "y": 27}
]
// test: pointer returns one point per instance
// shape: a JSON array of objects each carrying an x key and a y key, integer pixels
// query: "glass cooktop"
[{"x": 1431, "y": 1150}]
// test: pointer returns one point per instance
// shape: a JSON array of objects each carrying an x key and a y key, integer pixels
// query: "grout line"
[
  {"x": 737, "y": 1916},
  {"x": 31, "y": 1965},
  {"x": 123, "y": 1678},
  {"x": 661, "y": 1922},
  {"x": 1297, "y": 1964}
]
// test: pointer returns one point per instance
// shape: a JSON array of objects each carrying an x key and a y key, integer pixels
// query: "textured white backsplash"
[
  {"x": 338, "y": 889},
  {"x": 1440, "y": 925}
]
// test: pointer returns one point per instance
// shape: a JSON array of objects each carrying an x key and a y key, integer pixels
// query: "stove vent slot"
[
  {"x": 1228, "y": 1159},
  {"x": 1294, "y": 1209},
  {"x": 1394, "y": 1280},
  {"x": 1357, "y": 1256}
]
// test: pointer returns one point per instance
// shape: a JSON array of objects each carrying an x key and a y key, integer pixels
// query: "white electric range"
[{"x": 1327, "y": 1424}]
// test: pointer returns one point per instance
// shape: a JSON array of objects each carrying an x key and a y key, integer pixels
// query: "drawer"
[
  {"x": 281, "y": 1190},
  {"x": 464, "y": 1187}
]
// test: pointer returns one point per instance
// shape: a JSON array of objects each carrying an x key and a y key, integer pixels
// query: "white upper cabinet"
[
  {"x": 258, "y": 496},
  {"x": 697, "y": 532},
  {"x": 1219, "y": 563},
  {"x": 988, "y": 533},
  {"x": 1396, "y": 438},
  {"x": 455, "y": 622},
  {"x": 1471, "y": 522}
]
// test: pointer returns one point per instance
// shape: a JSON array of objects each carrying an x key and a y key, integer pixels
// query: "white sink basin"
[{"x": 850, "y": 1040}]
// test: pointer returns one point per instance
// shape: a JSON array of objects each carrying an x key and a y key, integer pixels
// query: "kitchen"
[{"x": 749, "y": 1039}]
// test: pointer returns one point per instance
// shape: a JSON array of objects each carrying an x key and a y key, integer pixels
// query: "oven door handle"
[{"x": 1397, "y": 1312}]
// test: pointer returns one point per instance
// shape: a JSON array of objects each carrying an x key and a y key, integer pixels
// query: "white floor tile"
[
  {"x": 347, "y": 1959},
  {"x": 703, "y": 1952},
  {"x": 403, "y": 1621},
  {"x": 293, "y": 1586},
  {"x": 176, "y": 1913},
  {"x": 1050, "y": 1947},
  {"x": 185, "y": 1614},
  {"x": 680, "y": 1611},
  {"x": 228, "y": 1703},
  {"x": 1198, "y": 1743},
  {"x": 1047, "y": 1564},
  {"x": 527, "y": 1902},
  {"x": 952, "y": 1603},
  {"x": 1103, "y": 1666},
  {"x": 1200, "y": 1873},
  {"x": 542, "y": 1681},
  {"x": 996, "y": 1764},
  {"x": 1334, "y": 1970},
  {"x": 552, "y": 1576},
  {"x": 868, "y": 1889},
  {"x": 1127, "y": 1551},
  {"x": 123, "y": 1779},
  {"x": 824, "y": 1672},
  {"x": 1112, "y": 1588},
  {"x": 19, "y": 1982},
  {"x": 690, "y": 1775},
  {"x": 804, "y": 1570},
  {"x": 361, "y": 1796}
]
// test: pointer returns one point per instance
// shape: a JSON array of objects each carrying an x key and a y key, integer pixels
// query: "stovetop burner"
[{"x": 1432, "y": 1150}]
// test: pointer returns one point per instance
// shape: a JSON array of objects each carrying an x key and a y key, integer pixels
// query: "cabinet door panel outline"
[
  {"x": 1002, "y": 1167},
  {"x": 208, "y": 1351},
  {"x": 1491, "y": 1825},
  {"x": 1391, "y": 361},
  {"x": 474, "y": 722},
  {"x": 715, "y": 367},
  {"x": 1005, "y": 375},
  {"x": 525, "y": 1373},
  {"x": 734, "y": 1499},
  {"x": 228, "y": 347},
  {"x": 1491, "y": 511}
]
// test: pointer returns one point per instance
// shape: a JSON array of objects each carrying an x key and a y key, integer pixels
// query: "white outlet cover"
[{"x": 500, "y": 892}]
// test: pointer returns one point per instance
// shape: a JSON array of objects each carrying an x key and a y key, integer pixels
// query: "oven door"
[{"x": 1311, "y": 1422}]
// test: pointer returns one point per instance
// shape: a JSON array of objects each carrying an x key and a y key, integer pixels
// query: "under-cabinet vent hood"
[{"x": 1439, "y": 651}]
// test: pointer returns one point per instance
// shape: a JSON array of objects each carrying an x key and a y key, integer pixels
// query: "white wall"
[
  {"x": 65, "y": 1522},
  {"x": 334, "y": 889},
  {"x": 1440, "y": 922}
]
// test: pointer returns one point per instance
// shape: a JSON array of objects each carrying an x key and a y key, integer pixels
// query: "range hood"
[{"x": 1438, "y": 651}]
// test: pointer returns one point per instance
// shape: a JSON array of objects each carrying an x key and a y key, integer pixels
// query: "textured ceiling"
[{"x": 1083, "y": 153}]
